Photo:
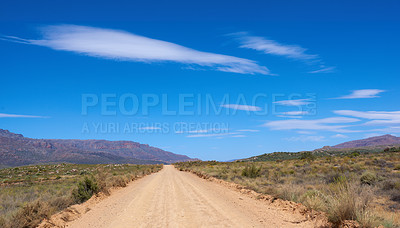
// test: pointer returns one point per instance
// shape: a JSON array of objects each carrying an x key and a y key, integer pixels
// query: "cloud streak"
[
  {"x": 385, "y": 118},
  {"x": 248, "y": 130},
  {"x": 5, "y": 115},
  {"x": 335, "y": 124},
  {"x": 339, "y": 136},
  {"x": 306, "y": 138},
  {"x": 241, "y": 107},
  {"x": 273, "y": 47},
  {"x": 290, "y": 51},
  {"x": 210, "y": 135},
  {"x": 124, "y": 46},
  {"x": 362, "y": 93},
  {"x": 323, "y": 70},
  {"x": 296, "y": 113},
  {"x": 294, "y": 102}
]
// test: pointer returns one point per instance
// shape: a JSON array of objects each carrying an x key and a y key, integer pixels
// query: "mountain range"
[
  {"x": 368, "y": 145},
  {"x": 17, "y": 150},
  {"x": 383, "y": 140}
]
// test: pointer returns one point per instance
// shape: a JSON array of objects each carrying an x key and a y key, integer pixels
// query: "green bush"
[
  {"x": 368, "y": 178},
  {"x": 354, "y": 154},
  {"x": 307, "y": 156},
  {"x": 85, "y": 190},
  {"x": 341, "y": 179},
  {"x": 251, "y": 171}
]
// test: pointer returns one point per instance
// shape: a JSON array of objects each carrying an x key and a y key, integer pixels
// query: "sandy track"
[{"x": 171, "y": 198}]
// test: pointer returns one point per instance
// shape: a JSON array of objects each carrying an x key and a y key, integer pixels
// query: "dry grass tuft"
[{"x": 30, "y": 215}]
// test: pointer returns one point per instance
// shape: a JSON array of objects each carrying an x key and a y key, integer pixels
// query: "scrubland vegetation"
[
  {"x": 363, "y": 187},
  {"x": 31, "y": 193}
]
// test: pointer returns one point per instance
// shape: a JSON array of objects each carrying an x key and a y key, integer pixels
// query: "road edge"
[
  {"x": 317, "y": 217},
  {"x": 73, "y": 212}
]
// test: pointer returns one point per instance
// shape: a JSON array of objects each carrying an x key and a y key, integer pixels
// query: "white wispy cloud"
[
  {"x": 323, "y": 70},
  {"x": 293, "y": 114},
  {"x": 370, "y": 114},
  {"x": 241, "y": 107},
  {"x": 389, "y": 129},
  {"x": 248, "y": 130},
  {"x": 339, "y": 136},
  {"x": 125, "y": 46},
  {"x": 295, "y": 102},
  {"x": 272, "y": 47},
  {"x": 306, "y": 138},
  {"x": 208, "y": 130},
  {"x": 296, "y": 113},
  {"x": 239, "y": 136},
  {"x": 362, "y": 93},
  {"x": 334, "y": 124},
  {"x": 210, "y": 135},
  {"x": 199, "y": 131},
  {"x": 386, "y": 118},
  {"x": 6, "y": 115},
  {"x": 306, "y": 132},
  {"x": 292, "y": 117}
]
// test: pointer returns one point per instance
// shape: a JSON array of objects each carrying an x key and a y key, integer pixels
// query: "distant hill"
[
  {"x": 17, "y": 150},
  {"x": 383, "y": 140},
  {"x": 368, "y": 145}
]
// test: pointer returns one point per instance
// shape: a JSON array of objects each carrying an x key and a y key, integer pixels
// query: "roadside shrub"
[
  {"x": 119, "y": 182},
  {"x": 290, "y": 193},
  {"x": 101, "y": 180},
  {"x": 30, "y": 215},
  {"x": 368, "y": 178},
  {"x": 85, "y": 190},
  {"x": 314, "y": 199},
  {"x": 60, "y": 203},
  {"x": 349, "y": 201},
  {"x": 251, "y": 171}
]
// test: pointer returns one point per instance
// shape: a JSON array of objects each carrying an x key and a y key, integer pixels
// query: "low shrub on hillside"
[
  {"x": 368, "y": 178},
  {"x": 85, "y": 190},
  {"x": 251, "y": 171},
  {"x": 349, "y": 201}
]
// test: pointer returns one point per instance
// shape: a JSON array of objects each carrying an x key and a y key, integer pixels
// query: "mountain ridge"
[
  {"x": 383, "y": 140},
  {"x": 368, "y": 145},
  {"x": 16, "y": 150}
]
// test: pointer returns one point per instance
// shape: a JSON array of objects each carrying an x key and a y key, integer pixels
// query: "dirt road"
[{"x": 171, "y": 198}]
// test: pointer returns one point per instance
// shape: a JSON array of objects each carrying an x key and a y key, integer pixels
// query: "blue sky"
[{"x": 284, "y": 75}]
